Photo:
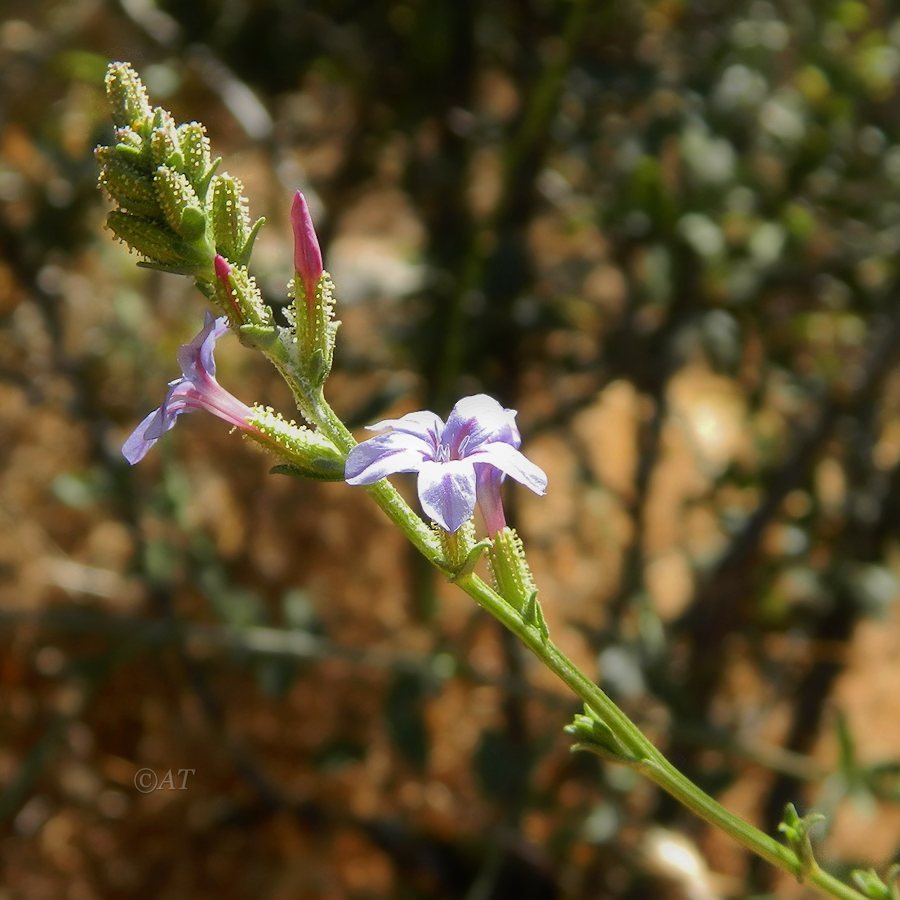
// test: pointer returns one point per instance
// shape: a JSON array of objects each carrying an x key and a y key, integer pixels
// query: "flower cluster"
[
  {"x": 172, "y": 206},
  {"x": 181, "y": 216}
]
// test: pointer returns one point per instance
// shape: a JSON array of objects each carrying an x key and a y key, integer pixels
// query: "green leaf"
[{"x": 796, "y": 832}]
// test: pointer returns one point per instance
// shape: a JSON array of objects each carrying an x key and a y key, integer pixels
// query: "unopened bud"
[
  {"x": 180, "y": 204},
  {"x": 308, "y": 453},
  {"x": 125, "y": 184},
  {"x": 130, "y": 147},
  {"x": 225, "y": 292},
  {"x": 127, "y": 96},
  {"x": 307, "y": 253},
  {"x": 153, "y": 241},
  {"x": 230, "y": 218},
  {"x": 242, "y": 294},
  {"x": 165, "y": 147},
  {"x": 513, "y": 578},
  {"x": 195, "y": 149}
]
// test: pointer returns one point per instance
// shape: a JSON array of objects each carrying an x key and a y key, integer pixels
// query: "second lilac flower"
[{"x": 196, "y": 389}]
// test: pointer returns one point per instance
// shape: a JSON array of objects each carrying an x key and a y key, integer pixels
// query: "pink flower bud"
[
  {"x": 307, "y": 255},
  {"x": 222, "y": 268}
]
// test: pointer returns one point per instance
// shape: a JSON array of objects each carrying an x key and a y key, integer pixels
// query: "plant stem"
[
  {"x": 644, "y": 756},
  {"x": 383, "y": 492},
  {"x": 651, "y": 762}
]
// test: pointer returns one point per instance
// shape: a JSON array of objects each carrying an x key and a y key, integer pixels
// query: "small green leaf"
[
  {"x": 796, "y": 832},
  {"x": 244, "y": 257},
  {"x": 193, "y": 224},
  {"x": 868, "y": 881},
  {"x": 593, "y": 735}
]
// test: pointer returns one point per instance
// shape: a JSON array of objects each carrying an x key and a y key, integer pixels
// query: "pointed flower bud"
[
  {"x": 180, "y": 204},
  {"x": 155, "y": 242},
  {"x": 223, "y": 275},
  {"x": 126, "y": 184},
  {"x": 241, "y": 293},
  {"x": 313, "y": 294},
  {"x": 308, "y": 453},
  {"x": 127, "y": 95},
  {"x": 222, "y": 268},
  {"x": 307, "y": 254},
  {"x": 196, "y": 389},
  {"x": 231, "y": 220},
  {"x": 165, "y": 147},
  {"x": 195, "y": 149}
]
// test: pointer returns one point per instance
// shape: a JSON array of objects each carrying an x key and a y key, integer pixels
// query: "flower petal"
[
  {"x": 196, "y": 389},
  {"x": 196, "y": 358},
  {"x": 422, "y": 424},
  {"x": 447, "y": 492},
  {"x": 513, "y": 463},
  {"x": 139, "y": 442},
  {"x": 384, "y": 455},
  {"x": 477, "y": 420}
]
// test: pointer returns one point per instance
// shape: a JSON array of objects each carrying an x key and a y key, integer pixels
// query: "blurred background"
[{"x": 667, "y": 234}]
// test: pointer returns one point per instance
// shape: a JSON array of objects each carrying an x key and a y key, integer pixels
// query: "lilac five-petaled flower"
[
  {"x": 196, "y": 389},
  {"x": 458, "y": 463}
]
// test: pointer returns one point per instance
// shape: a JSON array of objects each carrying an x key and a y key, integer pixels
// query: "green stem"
[
  {"x": 651, "y": 762},
  {"x": 397, "y": 509},
  {"x": 383, "y": 492},
  {"x": 644, "y": 755}
]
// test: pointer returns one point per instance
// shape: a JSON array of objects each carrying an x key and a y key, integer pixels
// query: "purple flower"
[
  {"x": 196, "y": 389},
  {"x": 458, "y": 463},
  {"x": 307, "y": 254}
]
